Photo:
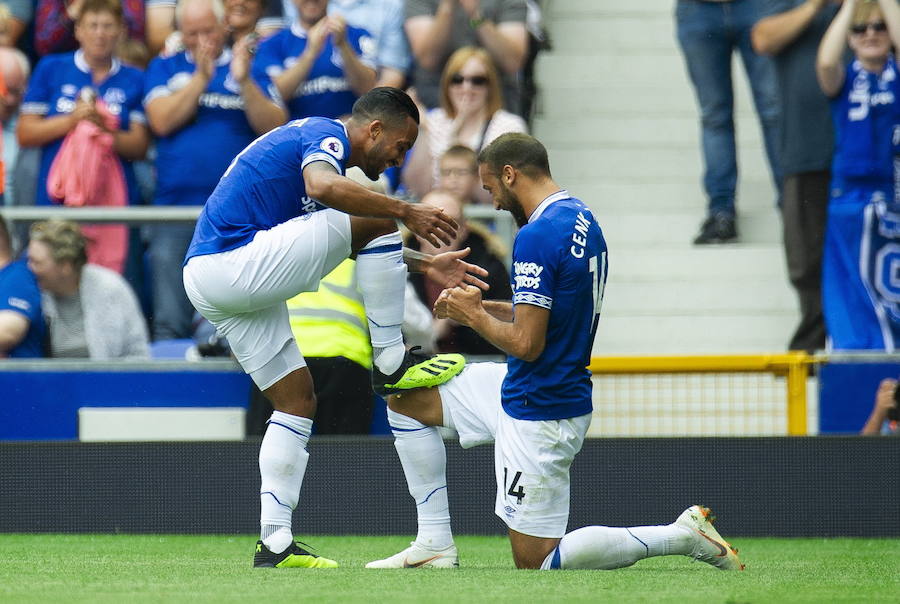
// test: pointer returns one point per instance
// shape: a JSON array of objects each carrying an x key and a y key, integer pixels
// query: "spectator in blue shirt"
[
  {"x": 22, "y": 327},
  {"x": 56, "y": 101},
  {"x": 383, "y": 19},
  {"x": 204, "y": 107},
  {"x": 320, "y": 64},
  {"x": 858, "y": 285}
]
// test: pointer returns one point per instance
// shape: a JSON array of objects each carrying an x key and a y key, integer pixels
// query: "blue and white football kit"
[
  {"x": 260, "y": 240},
  {"x": 856, "y": 295},
  {"x": 325, "y": 91},
  {"x": 53, "y": 90},
  {"x": 538, "y": 412}
]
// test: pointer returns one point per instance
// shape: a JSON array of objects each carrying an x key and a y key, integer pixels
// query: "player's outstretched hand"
[
  {"x": 458, "y": 303},
  {"x": 449, "y": 270},
  {"x": 430, "y": 223}
]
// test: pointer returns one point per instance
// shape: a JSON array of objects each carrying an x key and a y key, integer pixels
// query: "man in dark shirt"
[{"x": 790, "y": 31}]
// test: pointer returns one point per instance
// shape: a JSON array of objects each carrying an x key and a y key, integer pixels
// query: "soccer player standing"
[
  {"x": 537, "y": 406},
  {"x": 278, "y": 221}
]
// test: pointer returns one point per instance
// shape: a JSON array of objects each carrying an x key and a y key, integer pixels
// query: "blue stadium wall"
[{"x": 791, "y": 487}]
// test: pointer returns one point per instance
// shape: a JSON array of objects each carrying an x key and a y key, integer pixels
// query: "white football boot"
[
  {"x": 418, "y": 556},
  {"x": 709, "y": 546}
]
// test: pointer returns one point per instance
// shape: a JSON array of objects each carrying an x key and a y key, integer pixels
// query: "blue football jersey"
[
  {"x": 559, "y": 263},
  {"x": 864, "y": 113},
  {"x": 190, "y": 161},
  {"x": 325, "y": 92},
  {"x": 19, "y": 293},
  {"x": 53, "y": 89},
  {"x": 264, "y": 185}
]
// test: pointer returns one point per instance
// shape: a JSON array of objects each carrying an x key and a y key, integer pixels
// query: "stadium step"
[
  {"x": 666, "y": 130},
  {"x": 619, "y": 117},
  {"x": 625, "y": 230},
  {"x": 652, "y": 162}
]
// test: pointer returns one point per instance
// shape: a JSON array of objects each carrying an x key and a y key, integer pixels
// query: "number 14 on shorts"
[{"x": 515, "y": 489}]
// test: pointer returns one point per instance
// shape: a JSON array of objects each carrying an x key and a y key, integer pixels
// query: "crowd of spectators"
[
  {"x": 148, "y": 102},
  {"x": 152, "y": 100}
]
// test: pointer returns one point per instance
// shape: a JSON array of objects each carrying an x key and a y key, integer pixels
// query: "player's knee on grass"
[
  {"x": 422, "y": 404},
  {"x": 530, "y": 552}
]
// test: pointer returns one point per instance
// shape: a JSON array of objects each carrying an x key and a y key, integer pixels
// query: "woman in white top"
[
  {"x": 92, "y": 311},
  {"x": 470, "y": 114}
]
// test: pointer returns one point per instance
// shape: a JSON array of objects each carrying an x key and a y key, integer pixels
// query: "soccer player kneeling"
[{"x": 536, "y": 408}]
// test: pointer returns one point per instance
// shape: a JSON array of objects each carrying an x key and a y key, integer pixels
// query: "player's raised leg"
[
  {"x": 382, "y": 280},
  {"x": 424, "y": 460}
]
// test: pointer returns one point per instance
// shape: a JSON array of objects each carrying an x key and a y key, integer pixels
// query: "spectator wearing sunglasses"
[
  {"x": 863, "y": 228},
  {"x": 470, "y": 114},
  {"x": 437, "y": 28}
]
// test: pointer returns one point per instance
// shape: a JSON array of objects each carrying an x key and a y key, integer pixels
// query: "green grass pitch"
[{"x": 177, "y": 568}]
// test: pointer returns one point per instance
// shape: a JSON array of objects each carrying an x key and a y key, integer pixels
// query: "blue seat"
[{"x": 170, "y": 349}]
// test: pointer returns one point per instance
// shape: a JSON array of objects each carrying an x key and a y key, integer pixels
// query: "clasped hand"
[{"x": 460, "y": 304}]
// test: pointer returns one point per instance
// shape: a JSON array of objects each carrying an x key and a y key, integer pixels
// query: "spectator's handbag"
[{"x": 86, "y": 171}]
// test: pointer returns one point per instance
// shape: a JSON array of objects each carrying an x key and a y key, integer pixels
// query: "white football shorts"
[
  {"x": 243, "y": 291},
  {"x": 531, "y": 458}
]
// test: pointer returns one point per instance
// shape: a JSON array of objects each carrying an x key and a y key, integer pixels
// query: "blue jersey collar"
[
  {"x": 297, "y": 29},
  {"x": 82, "y": 65},
  {"x": 547, "y": 201}
]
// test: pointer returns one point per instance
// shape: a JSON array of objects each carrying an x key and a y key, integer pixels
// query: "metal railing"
[
  {"x": 502, "y": 222},
  {"x": 793, "y": 367}
]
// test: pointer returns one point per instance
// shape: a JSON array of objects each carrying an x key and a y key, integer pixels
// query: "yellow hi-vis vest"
[{"x": 331, "y": 322}]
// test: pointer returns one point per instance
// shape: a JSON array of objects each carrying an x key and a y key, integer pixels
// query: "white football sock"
[
  {"x": 382, "y": 281},
  {"x": 605, "y": 547},
  {"x": 388, "y": 359},
  {"x": 279, "y": 540},
  {"x": 282, "y": 463},
  {"x": 424, "y": 459}
]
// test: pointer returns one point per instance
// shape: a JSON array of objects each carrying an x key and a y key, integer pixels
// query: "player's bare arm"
[
  {"x": 448, "y": 269},
  {"x": 341, "y": 193},
  {"x": 499, "y": 309},
  {"x": 523, "y": 338}
]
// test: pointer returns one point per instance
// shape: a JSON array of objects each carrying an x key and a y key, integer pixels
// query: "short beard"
[
  {"x": 370, "y": 176},
  {"x": 518, "y": 214},
  {"x": 512, "y": 205}
]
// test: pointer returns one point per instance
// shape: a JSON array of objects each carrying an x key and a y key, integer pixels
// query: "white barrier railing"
[{"x": 502, "y": 221}]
